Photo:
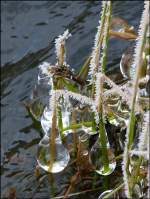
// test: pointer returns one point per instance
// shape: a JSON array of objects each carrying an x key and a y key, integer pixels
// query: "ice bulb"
[
  {"x": 44, "y": 159},
  {"x": 98, "y": 159}
]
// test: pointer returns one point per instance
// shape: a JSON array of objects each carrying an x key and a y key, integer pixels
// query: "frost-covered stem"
[
  {"x": 142, "y": 35},
  {"x": 140, "y": 39},
  {"x": 130, "y": 131},
  {"x": 99, "y": 86},
  {"x": 106, "y": 35},
  {"x": 94, "y": 63}
]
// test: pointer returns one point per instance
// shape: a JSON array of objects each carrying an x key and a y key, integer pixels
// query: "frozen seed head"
[{"x": 60, "y": 44}]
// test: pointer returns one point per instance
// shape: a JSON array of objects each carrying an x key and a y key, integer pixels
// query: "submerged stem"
[{"x": 52, "y": 140}]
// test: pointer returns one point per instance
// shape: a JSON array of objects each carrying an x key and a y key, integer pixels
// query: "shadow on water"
[{"x": 28, "y": 31}]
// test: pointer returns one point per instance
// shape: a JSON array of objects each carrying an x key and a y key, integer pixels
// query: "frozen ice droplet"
[
  {"x": 44, "y": 159},
  {"x": 104, "y": 194},
  {"x": 97, "y": 157}
]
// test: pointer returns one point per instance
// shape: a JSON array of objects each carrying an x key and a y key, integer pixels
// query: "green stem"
[
  {"x": 60, "y": 122},
  {"x": 52, "y": 138},
  {"x": 84, "y": 70},
  {"x": 103, "y": 143}
]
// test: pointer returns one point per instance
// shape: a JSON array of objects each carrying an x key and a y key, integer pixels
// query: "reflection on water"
[{"x": 28, "y": 30}]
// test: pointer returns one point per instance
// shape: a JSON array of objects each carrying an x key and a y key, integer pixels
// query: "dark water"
[{"x": 28, "y": 31}]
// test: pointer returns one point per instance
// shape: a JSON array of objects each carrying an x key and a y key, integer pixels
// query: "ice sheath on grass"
[
  {"x": 53, "y": 157},
  {"x": 137, "y": 68},
  {"x": 102, "y": 155}
]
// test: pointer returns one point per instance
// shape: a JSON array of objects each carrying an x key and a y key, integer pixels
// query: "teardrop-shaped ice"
[
  {"x": 97, "y": 157},
  {"x": 44, "y": 159},
  {"x": 104, "y": 194}
]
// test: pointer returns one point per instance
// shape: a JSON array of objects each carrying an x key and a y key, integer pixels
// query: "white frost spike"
[
  {"x": 143, "y": 139},
  {"x": 125, "y": 175},
  {"x": 60, "y": 41},
  {"x": 68, "y": 94},
  {"x": 138, "y": 48}
]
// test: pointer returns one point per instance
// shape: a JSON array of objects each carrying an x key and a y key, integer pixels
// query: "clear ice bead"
[
  {"x": 96, "y": 157},
  {"x": 61, "y": 158}
]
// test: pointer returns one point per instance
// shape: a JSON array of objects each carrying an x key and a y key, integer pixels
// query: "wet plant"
[{"x": 84, "y": 104}]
